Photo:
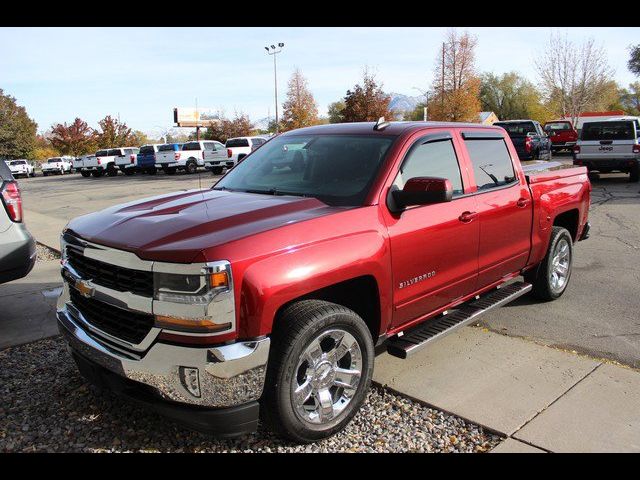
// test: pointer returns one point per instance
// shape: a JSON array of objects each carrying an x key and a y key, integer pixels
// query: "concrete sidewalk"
[
  {"x": 46, "y": 229},
  {"x": 27, "y": 305},
  {"x": 541, "y": 399}
]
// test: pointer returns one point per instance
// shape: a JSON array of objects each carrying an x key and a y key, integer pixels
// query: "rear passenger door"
[
  {"x": 504, "y": 207},
  {"x": 434, "y": 248}
]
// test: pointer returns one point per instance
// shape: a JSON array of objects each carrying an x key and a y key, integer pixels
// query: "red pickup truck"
[
  {"x": 562, "y": 134},
  {"x": 267, "y": 295}
]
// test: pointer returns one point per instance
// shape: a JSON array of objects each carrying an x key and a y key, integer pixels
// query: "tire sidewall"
[
  {"x": 304, "y": 431},
  {"x": 562, "y": 233}
]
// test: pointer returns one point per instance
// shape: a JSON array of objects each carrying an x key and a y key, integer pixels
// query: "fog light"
[{"x": 191, "y": 380}]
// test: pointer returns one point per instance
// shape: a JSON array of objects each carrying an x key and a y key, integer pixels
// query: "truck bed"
[{"x": 538, "y": 171}]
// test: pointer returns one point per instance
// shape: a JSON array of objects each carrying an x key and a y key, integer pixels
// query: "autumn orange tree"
[
  {"x": 456, "y": 85},
  {"x": 224, "y": 128},
  {"x": 366, "y": 102},
  {"x": 75, "y": 139},
  {"x": 113, "y": 133},
  {"x": 300, "y": 108}
]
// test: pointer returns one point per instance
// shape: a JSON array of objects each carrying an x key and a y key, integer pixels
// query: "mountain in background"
[{"x": 404, "y": 103}]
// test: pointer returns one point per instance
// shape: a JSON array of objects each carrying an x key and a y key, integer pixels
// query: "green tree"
[
  {"x": 509, "y": 96},
  {"x": 300, "y": 108},
  {"x": 366, "y": 102},
  {"x": 75, "y": 139},
  {"x": 335, "y": 112},
  {"x": 417, "y": 114},
  {"x": 630, "y": 99},
  {"x": 113, "y": 133},
  {"x": 17, "y": 130},
  {"x": 634, "y": 60},
  {"x": 140, "y": 138}
]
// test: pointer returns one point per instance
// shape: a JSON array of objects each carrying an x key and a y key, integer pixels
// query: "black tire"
[
  {"x": 169, "y": 170},
  {"x": 634, "y": 175},
  {"x": 112, "y": 171},
  {"x": 97, "y": 173},
  {"x": 128, "y": 171},
  {"x": 152, "y": 170},
  {"x": 298, "y": 326},
  {"x": 540, "y": 277},
  {"x": 191, "y": 167},
  {"x": 85, "y": 174},
  {"x": 44, "y": 174},
  {"x": 216, "y": 170}
]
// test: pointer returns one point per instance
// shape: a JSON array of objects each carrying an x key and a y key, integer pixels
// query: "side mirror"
[
  {"x": 531, "y": 134},
  {"x": 422, "y": 191}
]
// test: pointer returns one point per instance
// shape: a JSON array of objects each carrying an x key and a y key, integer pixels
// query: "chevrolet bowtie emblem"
[{"x": 85, "y": 289}]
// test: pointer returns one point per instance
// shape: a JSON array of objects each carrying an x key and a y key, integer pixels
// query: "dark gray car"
[{"x": 17, "y": 247}]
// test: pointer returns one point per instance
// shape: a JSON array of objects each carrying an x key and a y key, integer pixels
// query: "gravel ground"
[
  {"x": 45, "y": 253},
  {"x": 56, "y": 411}
]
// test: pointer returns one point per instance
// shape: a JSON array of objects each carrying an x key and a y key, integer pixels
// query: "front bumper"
[{"x": 227, "y": 375}]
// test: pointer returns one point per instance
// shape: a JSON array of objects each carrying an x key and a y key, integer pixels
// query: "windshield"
[
  {"x": 554, "y": 127},
  {"x": 237, "y": 142},
  {"x": 607, "y": 131},
  {"x": 336, "y": 169},
  {"x": 517, "y": 128}
]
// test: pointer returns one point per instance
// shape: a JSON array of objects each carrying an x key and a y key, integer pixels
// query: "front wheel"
[
  {"x": 319, "y": 370},
  {"x": 551, "y": 277},
  {"x": 191, "y": 167}
]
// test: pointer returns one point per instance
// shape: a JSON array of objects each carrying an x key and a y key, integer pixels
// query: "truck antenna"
[{"x": 381, "y": 124}]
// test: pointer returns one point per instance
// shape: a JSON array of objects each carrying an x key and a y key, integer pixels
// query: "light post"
[
  {"x": 425, "y": 94},
  {"x": 273, "y": 51}
]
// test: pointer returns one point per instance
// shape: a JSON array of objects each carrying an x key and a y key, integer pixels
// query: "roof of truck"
[{"x": 394, "y": 128}]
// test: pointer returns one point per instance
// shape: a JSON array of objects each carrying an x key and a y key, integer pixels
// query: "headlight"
[{"x": 191, "y": 289}]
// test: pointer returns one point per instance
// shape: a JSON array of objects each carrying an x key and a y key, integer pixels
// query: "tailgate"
[
  {"x": 166, "y": 157},
  {"x": 606, "y": 150}
]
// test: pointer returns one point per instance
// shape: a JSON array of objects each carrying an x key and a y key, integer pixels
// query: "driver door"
[{"x": 434, "y": 248}]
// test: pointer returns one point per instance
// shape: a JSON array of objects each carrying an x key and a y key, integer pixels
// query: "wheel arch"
[{"x": 569, "y": 220}]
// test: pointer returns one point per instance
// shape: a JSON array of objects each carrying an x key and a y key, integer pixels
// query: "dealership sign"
[{"x": 192, "y": 117}]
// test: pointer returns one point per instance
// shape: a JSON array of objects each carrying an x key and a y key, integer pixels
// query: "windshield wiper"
[{"x": 275, "y": 191}]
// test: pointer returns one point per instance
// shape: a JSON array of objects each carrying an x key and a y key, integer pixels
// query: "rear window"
[
  {"x": 169, "y": 147},
  {"x": 114, "y": 152},
  {"x": 492, "y": 165},
  {"x": 102, "y": 153},
  {"x": 54, "y": 160},
  {"x": 146, "y": 150},
  {"x": 607, "y": 131},
  {"x": 17, "y": 162},
  {"x": 557, "y": 126},
  {"x": 237, "y": 142},
  {"x": 191, "y": 146},
  {"x": 517, "y": 128}
]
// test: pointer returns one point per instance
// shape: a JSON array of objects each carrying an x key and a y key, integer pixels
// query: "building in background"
[{"x": 487, "y": 118}]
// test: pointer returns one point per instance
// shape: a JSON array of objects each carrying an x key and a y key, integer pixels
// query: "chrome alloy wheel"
[
  {"x": 327, "y": 376},
  {"x": 560, "y": 265}
]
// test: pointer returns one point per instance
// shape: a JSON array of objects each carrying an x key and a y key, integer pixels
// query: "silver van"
[{"x": 610, "y": 146}]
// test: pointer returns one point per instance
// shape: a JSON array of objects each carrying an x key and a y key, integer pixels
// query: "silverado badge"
[
  {"x": 84, "y": 288},
  {"x": 417, "y": 279}
]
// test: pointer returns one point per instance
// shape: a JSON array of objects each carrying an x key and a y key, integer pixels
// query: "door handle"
[
  {"x": 522, "y": 202},
  {"x": 467, "y": 217}
]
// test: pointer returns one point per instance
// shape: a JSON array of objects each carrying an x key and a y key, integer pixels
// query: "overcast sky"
[{"x": 142, "y": 73}]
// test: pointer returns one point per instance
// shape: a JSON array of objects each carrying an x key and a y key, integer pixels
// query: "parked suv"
[
  {"x": 240, "y": 147},
  {"x": 610, "y": 146},
  {"x": 57, "y": 165},
  {"x": 529, "y": 139},
  {"x": 266, "y": 295},
  {"x": 562, "y": 134},
  {"x": 17, "y": 247},
  {"x": 21, "y": 167}
]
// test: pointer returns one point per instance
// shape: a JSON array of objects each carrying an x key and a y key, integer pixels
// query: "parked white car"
[
  {"x": 188, "y": 158},
  {"x": 57, "y": 165},
  {"x": 215, "y": 159},
  {"x": 126, "y": 161},
  {"x": 240, "y": 147},
  {"x": 21, "y": 167}
]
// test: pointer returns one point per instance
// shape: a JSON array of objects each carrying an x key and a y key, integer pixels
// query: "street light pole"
[{"x": 273, "y": 51}]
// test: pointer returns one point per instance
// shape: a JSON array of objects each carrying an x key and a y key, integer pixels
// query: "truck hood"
[{"x": 178, "y": 226}]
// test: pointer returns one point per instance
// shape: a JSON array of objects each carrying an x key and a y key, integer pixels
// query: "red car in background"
[{"x": 562, "y": 134}]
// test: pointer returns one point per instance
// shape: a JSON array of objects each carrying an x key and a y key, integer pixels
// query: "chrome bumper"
[{"x": 228, "y": 375}]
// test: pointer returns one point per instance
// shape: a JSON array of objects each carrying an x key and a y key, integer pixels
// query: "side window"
[
  {"x": 209, "y": 146},
  {"x": 431, "y": 159},
  {"x": 491, "y": 162}
]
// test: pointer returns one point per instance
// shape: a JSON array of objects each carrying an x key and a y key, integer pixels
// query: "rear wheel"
[
  {"x": 216, "y": 170},
  {"x": 111, "y": 170},
  {"x": 191, "y": 167},
  {"x": 85, "y": 174},
  {"x": 97, "y": 173},
  {"x": 319, "y": 370},
  {"x": 551, "y": 277}
]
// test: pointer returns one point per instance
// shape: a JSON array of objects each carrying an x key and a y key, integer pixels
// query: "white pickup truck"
[
  {"x": 188, "y": 158},
  {"x": 216, "y": 158},
  {"x": 104, "y": 162},
  {"x": 127, "y": 160},
  {"x": 21, "y": 167},
  {"x": 57, "y": 165},
  {"x": 240, "y": 147}
]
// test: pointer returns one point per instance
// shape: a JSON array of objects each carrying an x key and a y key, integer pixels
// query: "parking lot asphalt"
[{"x": 598, "y": 314}]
